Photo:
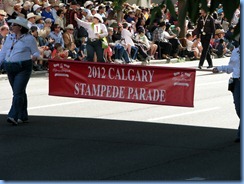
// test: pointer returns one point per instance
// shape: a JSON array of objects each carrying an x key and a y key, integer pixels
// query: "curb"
[{"x": 162, "y": 61}]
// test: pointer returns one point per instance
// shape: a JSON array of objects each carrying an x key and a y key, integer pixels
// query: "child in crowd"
[
  {"x": 72, "y": 52},
  {"x": 58, "y": 52},
  {"x": 193, "y": 47},
  {"x": 82, "y": 50},
  {"x": 108, "y": 52}
]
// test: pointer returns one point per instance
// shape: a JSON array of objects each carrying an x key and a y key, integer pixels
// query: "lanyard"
[
  {"x": 15, "y": 40},
  {"x": 204, "y": 21}
]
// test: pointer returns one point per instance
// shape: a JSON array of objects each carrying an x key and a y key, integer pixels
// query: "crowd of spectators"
[{"x": 59, "y": 36}]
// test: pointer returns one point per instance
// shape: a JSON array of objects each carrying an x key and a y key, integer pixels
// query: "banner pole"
[{"x": 204, "y": 70}]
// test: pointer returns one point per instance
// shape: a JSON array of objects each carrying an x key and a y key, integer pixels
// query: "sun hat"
[
  {"x": 36, "y": 6},
  {"x": 2, "y": 12},
  {"x": 99, "y": 17},
  {"x": 20, "y": 21},
  {"x": 38, "y": 17},
  {"x": 28, "y": 3},
  {"x": 47, "y": 5},
  {"x": 30, "y": 15},
  {"x": 61, "y": 5},
  {"x": 87, "y": 3},
  {"x": 70, "y": 26}
]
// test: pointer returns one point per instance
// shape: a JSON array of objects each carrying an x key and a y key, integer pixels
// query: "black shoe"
[
  {"x": 12, "y": 120},
  {"x": 210, "y": 67},
  {"x": 200, "y": 67}
]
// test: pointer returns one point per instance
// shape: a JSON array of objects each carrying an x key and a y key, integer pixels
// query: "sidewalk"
[{"x": 162, "y": 61}]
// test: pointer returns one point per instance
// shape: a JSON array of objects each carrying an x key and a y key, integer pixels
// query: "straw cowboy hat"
[
  {"x": 70, "y": 26},
  {"x": 2, "y": 12},
  {"x": 38, "y": 17},
  {"x": 99, "y": 17},
  {"x": 87, "y": 3},
  {"x": 30, "y": 15},
  {"x": 20, "y": 21}
]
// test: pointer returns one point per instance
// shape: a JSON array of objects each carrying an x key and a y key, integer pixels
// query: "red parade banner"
[{"x": 127, "y": 83}]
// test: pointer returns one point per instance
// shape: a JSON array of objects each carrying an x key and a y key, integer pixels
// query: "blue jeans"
[
  {"x": 19, "y": 74},
  {"x": 237, "y": 101},
  {"x": 134, "y": 51},
  {"x": 120, "y": 53}
]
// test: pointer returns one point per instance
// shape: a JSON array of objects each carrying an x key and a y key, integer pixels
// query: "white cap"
[
  {"x": 99, "y": 17},
  {"x": 36, "y": 6}
]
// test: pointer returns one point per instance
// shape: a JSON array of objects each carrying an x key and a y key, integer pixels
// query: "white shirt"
[
  {"x": 89, "y": 26},
  {"x": 126, "y": 34},
  {"x": 22, "y": 49},
  {"x": 189, "y": 44},
  {"x": 234, "y": 64}
]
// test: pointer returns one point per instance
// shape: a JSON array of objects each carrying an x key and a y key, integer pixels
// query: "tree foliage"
[{"x": 191, "y": 9}]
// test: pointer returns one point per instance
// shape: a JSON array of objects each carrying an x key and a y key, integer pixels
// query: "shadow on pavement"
[{"x": 82, "y": 149}]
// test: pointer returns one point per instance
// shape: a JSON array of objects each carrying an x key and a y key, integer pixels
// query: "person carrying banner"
[
  {"x": 234, "y": 68},
  {"x": 17, "y": 55},
  {"x": 96, "y": 32}
]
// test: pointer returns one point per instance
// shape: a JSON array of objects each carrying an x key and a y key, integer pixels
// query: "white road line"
[
  {"x": 182, "y": 114},
  {"x": 52, "y": 105}
]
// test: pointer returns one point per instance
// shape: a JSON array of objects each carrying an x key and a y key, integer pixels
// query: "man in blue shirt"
[
  {"x": 46, "y": 13},
  {"x": 57, "y": 35}
]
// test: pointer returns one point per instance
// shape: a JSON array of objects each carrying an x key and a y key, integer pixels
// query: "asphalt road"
[{"x": 88, "y": 140}]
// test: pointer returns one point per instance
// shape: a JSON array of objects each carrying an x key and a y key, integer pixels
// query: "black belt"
[{"x": 238, "y": 79}]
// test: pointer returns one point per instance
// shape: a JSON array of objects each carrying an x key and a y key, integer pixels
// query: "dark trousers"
[
  {"x": 205, "y": 40},
  {"x": 19, "y": 74},
  {"x": 95, "y": 47},
  {"x": 175, "y": 46},
  {"x": 237, "y": 100},
  {"x": 165, "y": 47}
]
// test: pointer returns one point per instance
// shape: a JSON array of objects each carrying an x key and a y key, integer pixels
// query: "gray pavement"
[
  {"x": 84, "y": 149},
  {"x": 80, "y": 149}
]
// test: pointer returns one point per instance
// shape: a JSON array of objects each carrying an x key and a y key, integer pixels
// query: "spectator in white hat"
[
  {"x": 31, "y": 17},
  {"x": 68, "y": 35},
  {"x": 88, "y": 5},
  {"x": 55, "y": 8},
  {"x": 39, "y": 22},
  {"x": 37, "y": 9},
  {"x": 46, "y": 13},
  {"x": 96, "y": 32},
  {"x": 101, "y": 10}
]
